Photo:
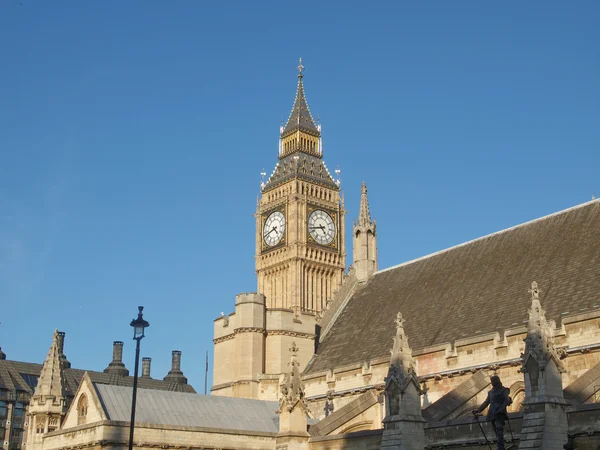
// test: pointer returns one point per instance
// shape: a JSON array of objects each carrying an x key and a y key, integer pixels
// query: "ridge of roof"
[{"x": 481, "y": 238}]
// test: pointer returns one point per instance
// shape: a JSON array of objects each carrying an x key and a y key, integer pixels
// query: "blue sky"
[{"x": 133, "y": 135}]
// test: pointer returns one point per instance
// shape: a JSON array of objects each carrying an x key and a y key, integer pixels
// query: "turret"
[{"x": 48, "y": 404}]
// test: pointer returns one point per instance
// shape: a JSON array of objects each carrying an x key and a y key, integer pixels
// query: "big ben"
[
  {"x": 300, "y": 262},
  {"x": 300, "y": 248}
]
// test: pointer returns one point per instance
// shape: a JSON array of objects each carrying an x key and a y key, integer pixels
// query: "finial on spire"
[
  {"x": 294, "y": 350},
  {"x": 399, "y": 321},
  {"x": 364, "y": 215},
  {"x": 534, "y": 291},
  {"x": 300, "y": 68}
]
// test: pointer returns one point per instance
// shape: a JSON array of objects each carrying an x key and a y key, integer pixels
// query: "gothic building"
[
  {"x": 340, "y": 321},
  {"x": 35, "y": 398},
  {"x": 325, "y": 357}
]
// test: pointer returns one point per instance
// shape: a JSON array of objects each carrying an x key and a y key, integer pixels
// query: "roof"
[
  {"x": 300, "y": 117},
  {"x": 303, "y": 166},
  {"x": 24, "y": 376},
  {"x": 475, "y": 288},
  {"x": 189, "y": 410}
]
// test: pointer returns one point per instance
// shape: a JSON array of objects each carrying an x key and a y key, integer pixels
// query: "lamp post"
[{"x": 138, "y": 325}]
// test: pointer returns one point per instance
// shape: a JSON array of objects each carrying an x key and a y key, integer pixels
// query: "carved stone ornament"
[
  {"x": 401, "y": 372},
  {"x": 539, "y": 343},
  {"x": 292, "y": 389}
]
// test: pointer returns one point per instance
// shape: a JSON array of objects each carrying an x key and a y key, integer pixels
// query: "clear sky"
[{"x": 133, "y": 134}]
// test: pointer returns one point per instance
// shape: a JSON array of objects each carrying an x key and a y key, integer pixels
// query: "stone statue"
[{"x": 498, "y": 400}]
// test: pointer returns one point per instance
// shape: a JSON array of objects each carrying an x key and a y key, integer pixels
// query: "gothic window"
[
  {"x": 82, "y": 409},
  {"x": 52, "y": 424},
  {"x": 39, "y": 425}
]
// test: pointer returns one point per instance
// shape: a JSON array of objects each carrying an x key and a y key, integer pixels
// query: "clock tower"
[
  {"x": 300, "y": 262},
  {"x": 300, "y": 248}
]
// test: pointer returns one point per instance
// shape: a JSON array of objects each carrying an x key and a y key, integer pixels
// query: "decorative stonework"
[
  {"x": 539, "y": 343},
  {"x": 545, "y": 424},
  {"x": 401, "y": 372},
  {"x": 292, "y": 389},
  {"x": 403, "y": 424}
]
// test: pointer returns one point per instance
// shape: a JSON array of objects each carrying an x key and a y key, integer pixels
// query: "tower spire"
[
  {"x": 364, "y": 215},
  {"x": 51, "y": 382},
  {"x": 300, "y": 118},
  {"x": 364, "y": 250}
]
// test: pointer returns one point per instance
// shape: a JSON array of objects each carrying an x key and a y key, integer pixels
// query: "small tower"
[
  {"x": 545, "y": 420},
  {"x": 364, "y": 251},
  {"x": 403, "y": 424},
  {"x": 48, "y": 403},
  {"x": 293, "y": 418}
]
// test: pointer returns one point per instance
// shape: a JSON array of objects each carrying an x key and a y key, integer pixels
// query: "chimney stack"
[
  {"x": 117, "y": 367},
  {"x": 146, "y": 367},
  {"x": 175, "y": 375},
  {"x": 64, "y": 362},
  {"x": 176, "y": 360},
  {"x": 117, "y": 351},
  {"x": 2, "y": 355}
]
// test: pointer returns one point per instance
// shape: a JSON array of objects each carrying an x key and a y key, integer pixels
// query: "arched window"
[
  {"x": 40, "y": 424},
  {"x": 82, "y": 409}
]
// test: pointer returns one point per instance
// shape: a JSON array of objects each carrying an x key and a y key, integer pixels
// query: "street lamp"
[{"x": 139, "y": 325}]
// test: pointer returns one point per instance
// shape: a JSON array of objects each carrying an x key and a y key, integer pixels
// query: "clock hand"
[{"x": 272, "y": 229}]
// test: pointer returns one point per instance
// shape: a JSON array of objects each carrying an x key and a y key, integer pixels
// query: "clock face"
[
  {"x": 321, "y": 227},
  {"x": 274, "y": 228}
]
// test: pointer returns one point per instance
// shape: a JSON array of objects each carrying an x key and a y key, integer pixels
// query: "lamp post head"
[{"x": 139, "y": 325}]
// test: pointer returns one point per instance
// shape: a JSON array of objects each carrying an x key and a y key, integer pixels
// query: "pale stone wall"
[
  {"x": 283, "y": 328},
  {"x": 444, "y": 367},
  {"x": 116, "y": 435}
]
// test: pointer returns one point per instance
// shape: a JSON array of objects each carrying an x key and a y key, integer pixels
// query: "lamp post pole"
[{"x": 138, "y": 325}]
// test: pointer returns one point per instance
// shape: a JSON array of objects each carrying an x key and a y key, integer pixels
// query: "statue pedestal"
[{"x": 404, "y": 432}]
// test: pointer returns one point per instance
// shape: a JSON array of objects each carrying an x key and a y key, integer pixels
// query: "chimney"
[
  {"x": 146, "y": 367},
  {"x": 118, "y": 351},
  {"x": 175, "y": 375},
  {"x": 176, "y": 360},
  {"x": 64, "y": 362},
  {"x": 2, "y": 355},
  {"x": 117, "y": 367}
]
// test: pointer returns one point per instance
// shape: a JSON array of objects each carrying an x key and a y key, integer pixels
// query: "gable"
[
  {"x": 476, "y": 288},
  {"x": 94, "y": 411}
]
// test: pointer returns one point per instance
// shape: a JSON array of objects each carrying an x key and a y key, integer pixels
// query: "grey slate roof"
[
  {"x": 300, "y": 117},
  {"x": 475, "y": 288},
  {"x": 189, "y": 410},
  {"x": 306, "y": 167},
  {"x": 25, "y": 375}
]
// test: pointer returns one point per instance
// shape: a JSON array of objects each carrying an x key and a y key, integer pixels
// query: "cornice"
[{"x": 297, "y": 334}]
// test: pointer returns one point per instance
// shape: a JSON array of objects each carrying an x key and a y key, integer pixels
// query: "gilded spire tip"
[{"x": 300, "y": 68}]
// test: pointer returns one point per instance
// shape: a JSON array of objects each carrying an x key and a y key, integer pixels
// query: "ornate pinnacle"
[
  {"x": 300, "y": 68},
  {"x": 294, "y": 350},
  {"x": 364, "y": 215},
  {"x": 399, "y": 322},
  {"x": 534, "y": 291}
]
